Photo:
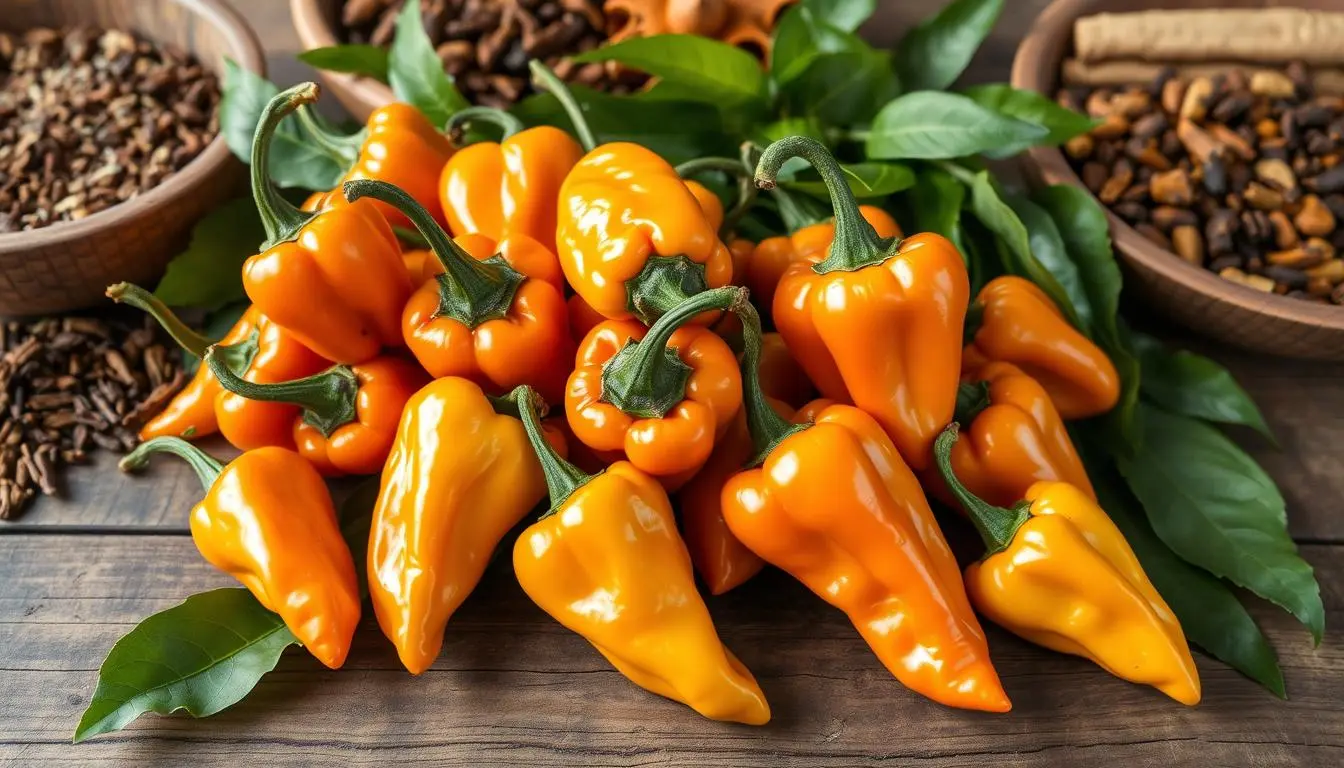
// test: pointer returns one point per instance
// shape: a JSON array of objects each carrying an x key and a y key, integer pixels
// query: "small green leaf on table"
[
  {"x": 201, "y": 656},
  {"x": 1062, "y": 124},
  {"x": 416, "y": 73},
  {"x": 351, "y": 58},
  {"x": 208, "y": 274},
  {"x": 933, "y": 125},
  {"x": 866, "y": 180},
  {"x": 1216, "y": 508},
  {"x": 717, "y": 72},
  {"x": 934, "y": 54},
  {"x": 1193, "y": 385}
]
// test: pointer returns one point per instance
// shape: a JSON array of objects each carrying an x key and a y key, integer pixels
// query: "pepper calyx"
[{"x": 996, "y": 525}]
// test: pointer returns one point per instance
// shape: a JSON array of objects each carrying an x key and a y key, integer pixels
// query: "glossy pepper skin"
[
  {"x": 335, "y": 279},
  {"x": 509, "y": 187},
  {"x": 1015, "y": 322},
  {"x": 660, "y": 397},
  {"x": 773, "y": 256},
  {"x": 267, "y": 519},
  {"x": 1060, "y": 574},
  {"x": 781, "y": 376},
  {"x": 607, "y": 563},
  {"x": 460, "y": 475},
  {"x": 879, "y": 322}
]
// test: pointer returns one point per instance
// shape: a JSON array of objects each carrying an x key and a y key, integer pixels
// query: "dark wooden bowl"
[
  {"x": 315, "y": 21},
  {"x": 67, "y": 265},
  {"x": 1191, "y": 295}
]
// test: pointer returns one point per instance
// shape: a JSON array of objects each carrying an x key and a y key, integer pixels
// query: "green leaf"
[
  {"x": 842, "y": 88},
  {"x": 1216, "y": 508},
  {"x": 354, "y": 58},
  {"x": 416, "y": 72},
  {"x": 847, "y": 15},
  {"x": 936, "y": 202},
  {"x": 203, "y": 655},
  {"x": 791, "y": 126},
  {"x": 935, "y": 53},
  {"x": 1193, "y": 385},
  {"x": 1062, "y": 124},
  {"x": 807, "y": 31},
  {"x": 1210, "y": 614},
  {"x": 1048, "y": 247},
  {"x": 296, "y": 160},
  {"x": 215, "y": 327},
  {"x": 208, "y": 274},
  {"x": 716, "y": 72},
  {"x": 866, "y": 180},
  {"x": 934, "y": 125}
]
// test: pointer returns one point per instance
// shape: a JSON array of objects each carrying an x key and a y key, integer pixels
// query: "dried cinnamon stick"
[{"x": 1255, "y": 34}]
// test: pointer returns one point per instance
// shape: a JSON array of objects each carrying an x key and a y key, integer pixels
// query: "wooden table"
[{"x": 513, "y": 688}]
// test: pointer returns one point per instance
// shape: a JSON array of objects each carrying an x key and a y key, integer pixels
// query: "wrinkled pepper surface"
[
  {"x": 483, "y": 319},
  {"x": 1012, "y": 320},
  {"x": 460, "y": 475},
  {"x": 607, "y": 563},
  {"x": 661, "y": 397},
  {"x": 878, "y": 323},
  {"x": 833, "y": 504},
  {"x": 509, "y": 187},
  {"x": 773, "y": 256},
  {"x": 334, "y": 279},
  {"x": 1060, "y": 574},
  {"x": 267, "y": 520}
]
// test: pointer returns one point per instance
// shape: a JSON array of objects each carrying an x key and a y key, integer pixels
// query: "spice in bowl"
[{"x": 91, "y": 118}]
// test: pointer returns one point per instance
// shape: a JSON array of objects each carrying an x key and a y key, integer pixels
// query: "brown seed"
[
  {"x": 1171, "y": 188},
  {"x": 1275, "y": 85},
  {"x": 1095, "y": 176},
  {"x": 1320, "y": 247},
  {"x": 1231, "y": 107},
  {"x": 1232, "y": 141},
  {"x": 1112, "y": 126},
  {"x": 1276, "y": 173},
  {"x": 1131, "y": 104},
  {"x": 1173, "y": 95},
  {"x": 1149, "y": 126},
  {"x": 1079, "y": 147},
  {"x": 1132, "y": 212},
  {"x": 1099, "y": 103},
  {"x": 1194, "y": 102},
  {"x": 1219, "y": 231},
  {"x": 1258, "y": 282},
  {"x": 1166, "y": 217},
  {"x": 1147, "y": 154},
  {"x": 1188, "y": 244},
  {"x": 1291, "y": 279},
  {"x": 1285, "y": 236},
  {"x": 1263, "y": 197},
  {"x": 1332, "y": 270},
  {"x": 1267, "y": 128},
  {"x": 1314, "y": 218},
  {"x": 1327, "y": 182},
  {"x": 1319, "y": 286}
]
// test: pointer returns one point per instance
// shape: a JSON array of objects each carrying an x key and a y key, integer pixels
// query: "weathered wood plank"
[{"x": 513, "y": 688}]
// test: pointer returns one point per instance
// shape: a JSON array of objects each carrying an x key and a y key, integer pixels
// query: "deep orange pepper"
[
  {"x": 660, "y": 396},
  {"x": 879, "y": 322},
  {"x": 483, "y": 318},
  {"x": 781, "y": 376},
  {"x": 582, "y": 318},
  {"x": 509, "y": 187},
  {"x": 1013, "y": 320},
  {"x": 334, "y": 279},
  {"x": 267, "y": 520},
  {"x": 773, "y": 256}
]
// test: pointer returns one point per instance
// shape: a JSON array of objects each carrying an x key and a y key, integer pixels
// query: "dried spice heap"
[
  {"x": 71, "y": 386},
  {"x": 1239, "y": 172},
  {"x": 486, "y": 44},
  {"x": 92, "y": 118}
]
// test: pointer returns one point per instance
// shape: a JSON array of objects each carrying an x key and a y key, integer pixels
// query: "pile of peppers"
[{"x": 584, "y": 333}]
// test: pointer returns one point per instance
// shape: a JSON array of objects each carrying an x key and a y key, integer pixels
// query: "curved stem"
[
  {"x": 278, "y": 216},
  {"x": 746, "y": 186},
  {"x": 768, "y": 429},
  {"x": 470, "y": 291},
  {"x": 997, "y": 526},
  {"x": 207, "y": 467},
  {"x": 562, "y": 478},
  {"x": 746, "y": 197},
  {"x": 856, "y": 244},
  {"x": 972, "y": 398},
  {"x": 508, "y": 125},
  {"x": 328, "y": 398},
  {"x": 344, "y": 149},
  {"x": 727, "y": 165},
  {"x": 547, "y": 80},
  {"x": 647, "y": 379},
  {"x": 189, "y": 340}
]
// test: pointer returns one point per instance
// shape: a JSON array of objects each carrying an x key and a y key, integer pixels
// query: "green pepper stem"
[
  {"x": 328, "y": 398},
  {"x": 562, "y": 478},
  {"x": 279, "y": 217},
  {"x": 727, "y": 165},
  {"x": 768, "y": 429},
  {"x": 508, "y": 125},
  {"x": 856, "y": 244},
  {"x": 189, "y": 340},
  {"x": 207, "y": 467},
  {"x": 547, "y": 80},
  {"x": 342, "y": 149},
  {"x": 470, "y": 291},
  {"x": 646, "y": 379},
  {"x": 972, "y": 398},
  {"x": 997, "y": 526}
]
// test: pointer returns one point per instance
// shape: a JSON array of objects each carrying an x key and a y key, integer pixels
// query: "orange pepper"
[
  {"x": 773, "y": 256},
  {"x": 742, "y": 251},
  {"x": 879, "y": 322},
  {"x": 660, "y": 396},
  {"x": 582, "y": 318},
  {"x": 833, "y": 504},
  {"x": 335, "y": 279},
  {"x": 268, "y": 521},
  {"x": 419, "y": 263},
  {"x": 256, "y": 349},
  {"x": 509, "y": 187},
  {"x": 1013, "y": 320},
  {"x": 483, "y": 319},
  {"x": 710, "y": 204},
  {"x": 606, "y": 562},
  {"x": 782, "y": 378}
]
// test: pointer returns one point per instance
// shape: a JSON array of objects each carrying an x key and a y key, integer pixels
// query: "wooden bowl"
[
  {"x": 67, "y": 265},
  {"x": 1191, "y": 295},
  {"x": 315, "y": 21}
]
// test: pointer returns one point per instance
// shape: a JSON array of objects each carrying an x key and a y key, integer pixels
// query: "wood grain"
[{"x": 514, "y": 688}]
